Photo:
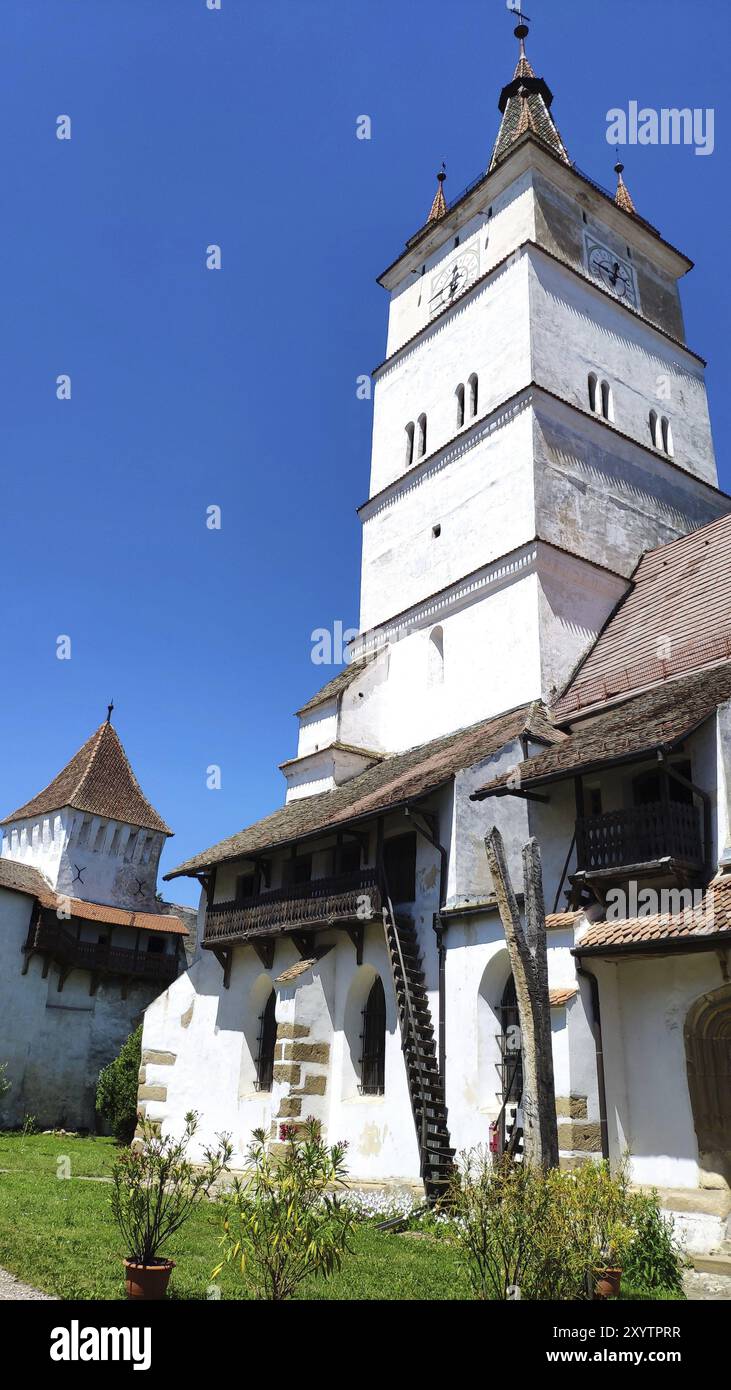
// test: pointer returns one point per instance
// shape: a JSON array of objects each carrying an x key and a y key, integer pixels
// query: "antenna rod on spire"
[{"x": 110, "y": 707}]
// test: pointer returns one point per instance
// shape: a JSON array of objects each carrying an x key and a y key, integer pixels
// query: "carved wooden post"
[{"x": 528, "y": 959}]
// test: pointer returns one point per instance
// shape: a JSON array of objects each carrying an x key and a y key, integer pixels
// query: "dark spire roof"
[
  {"x": 439, "y": 206},
  {"x": 623, "y": 197},
  {"x": 526, "y": 106},
  {"x": 98, "y": 780}
]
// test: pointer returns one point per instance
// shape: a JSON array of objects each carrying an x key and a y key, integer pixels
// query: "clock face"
[
  {"x": 614, "y": 273},
  {"x": 448, "y": 284}
]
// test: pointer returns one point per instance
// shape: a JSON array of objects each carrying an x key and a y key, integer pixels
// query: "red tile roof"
[
  {"x": 98, "y": 780},
  {"x": 557, "y": 998},
  {"x": 676, "y": 617},
  {"x": 712, "y": 918},
  {"x": 23, "y": 878}
]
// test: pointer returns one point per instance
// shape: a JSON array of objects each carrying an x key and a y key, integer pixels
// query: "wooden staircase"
[{"x": 426, "y": 1086}]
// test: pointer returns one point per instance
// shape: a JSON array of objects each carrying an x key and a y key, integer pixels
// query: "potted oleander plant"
[{"x": 156, "y": 1188}]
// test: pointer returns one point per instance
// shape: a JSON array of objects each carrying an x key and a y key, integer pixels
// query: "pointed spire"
[
  {"x": 98, "y": 780},
  {"x": 525, "y": 105},
  {"x": 439, "y": 206},
  {"x": 623, "y": 197}
]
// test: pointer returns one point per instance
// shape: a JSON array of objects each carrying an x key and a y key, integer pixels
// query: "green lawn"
[{"x": 59, "y": 1235}]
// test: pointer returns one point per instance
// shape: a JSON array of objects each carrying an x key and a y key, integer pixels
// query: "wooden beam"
[
  {"x": 356, "y": 935},
  {"x": 528, "y": 959},
  {"x": 224, "y": 956},
  {"x": 264, "y": 948}
]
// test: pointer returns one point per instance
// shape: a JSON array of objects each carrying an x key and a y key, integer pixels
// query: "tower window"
[
  {"x": 607, "y": 406},
  {"x": 592, "y": 391},
  {"x": 654, "y": 431},
  {"x": 409, "y": 444},
  {"x": 422, "y": 436},
  {"x": 474, "y": 390},
  {"x": 667, "y": 436},
  {"x": 459, "y": 393},
  {"x": 436, "y": 532},
  {"x": 267, "y": 1043},
  {"x": 373, "y": 1037}
]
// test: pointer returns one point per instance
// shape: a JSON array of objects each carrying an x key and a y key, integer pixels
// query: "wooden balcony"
[
  {"x": 323, "y": 902},
  {"x": 642, "y": 837},
  {"x": 60, "y": 945}
]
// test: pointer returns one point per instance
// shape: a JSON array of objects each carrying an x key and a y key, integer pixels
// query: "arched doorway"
[{"x": 708, "y": 1060}]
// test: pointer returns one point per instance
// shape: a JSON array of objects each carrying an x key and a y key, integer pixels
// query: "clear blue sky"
[{"x": 237, "y": 388}]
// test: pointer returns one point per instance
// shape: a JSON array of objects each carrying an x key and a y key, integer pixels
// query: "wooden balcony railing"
[
  {"x": 642, "y": 835},
  {"x": 349, "y": 898},
  {"x": 66, "y": 950}
]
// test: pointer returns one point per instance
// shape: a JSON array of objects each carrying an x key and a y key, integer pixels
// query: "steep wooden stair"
[{"x": 426, "y": 1087}]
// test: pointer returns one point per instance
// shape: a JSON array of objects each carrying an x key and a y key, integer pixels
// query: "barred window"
[
  {"x": 373, "y": 1038},
  {"x": 267, "y": 1041}
]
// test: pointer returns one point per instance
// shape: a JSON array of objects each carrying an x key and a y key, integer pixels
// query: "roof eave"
[
  {"x": 192, "y": 868},
  {"x": 421, "y": 239}
]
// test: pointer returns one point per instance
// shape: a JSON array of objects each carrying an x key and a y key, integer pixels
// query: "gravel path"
[{"x": 11, "y": 1288}]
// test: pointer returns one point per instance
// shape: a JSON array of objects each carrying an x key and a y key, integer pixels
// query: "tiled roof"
[
  {"x": 623, "y": 197},
  {"x": 399, "y": 778},
  {"x": 557, "y": 998},
  {"x": 711, "y": 918},
  {"x": 293, "y": 973},
  {"x": 335, "y": 747},
  {"x": 439, "y": 206},
  {"x": 558, "y": 921},
  {"x": 657, "y": 718},
  {"x": 23, "y": 878},
  {"x": 119, "y": 917},
  {"x": 335, "y": 686},
  {"x": 676, "y": 617},
  {"x": 98, "y": 780}
]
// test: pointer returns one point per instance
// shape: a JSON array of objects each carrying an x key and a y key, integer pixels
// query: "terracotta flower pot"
[
  {"x": 147, "y": 1281},
  {"x": 608, "y": 1282}
]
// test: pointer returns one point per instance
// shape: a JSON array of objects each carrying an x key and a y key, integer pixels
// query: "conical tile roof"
[{"x": 99, "y": 781}]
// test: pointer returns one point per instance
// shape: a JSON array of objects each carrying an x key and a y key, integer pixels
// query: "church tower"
[
  {"x": 92, "y": 832},
  {"x": 539, "y": 422}
]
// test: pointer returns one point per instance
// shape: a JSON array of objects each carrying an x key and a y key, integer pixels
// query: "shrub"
[
  {"x": 510, "y": 1227},
  {"x": 116, "y": 1091},
  {"x": 156, "y": 1187},
  {"x": 655, "y": 1260},
  {"x": 598, "y": 1209},
  {"x": 281, "y": 1223},
  {"x": 523, "y": 1233}
]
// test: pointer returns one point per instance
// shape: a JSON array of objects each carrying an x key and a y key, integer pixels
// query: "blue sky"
[{"x": 236, "y": 388}]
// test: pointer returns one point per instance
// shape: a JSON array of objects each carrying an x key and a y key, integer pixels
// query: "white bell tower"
[{"x": 539, "y": 422}]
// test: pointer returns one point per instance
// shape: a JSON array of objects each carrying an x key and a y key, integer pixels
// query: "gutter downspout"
[{"x": 596, "y": 1028}]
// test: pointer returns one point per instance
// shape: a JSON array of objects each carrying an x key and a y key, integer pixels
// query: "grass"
[{"x": 58, "y": 1234}]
